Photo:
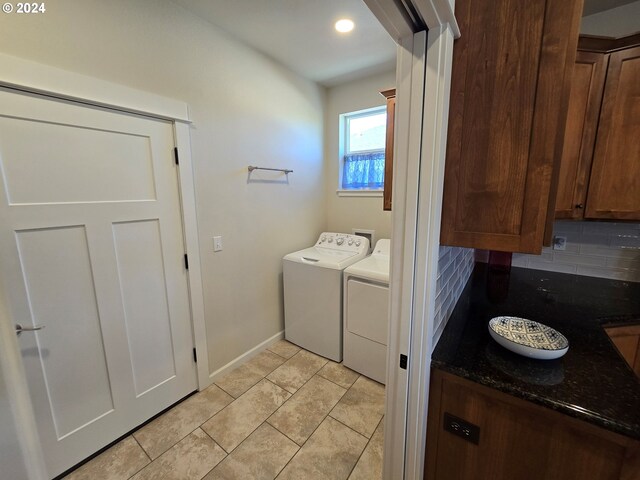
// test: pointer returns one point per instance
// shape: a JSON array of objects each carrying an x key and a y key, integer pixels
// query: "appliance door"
[
  {"x": 313, "y": 308},
  {"x": 368, "y": 310}
]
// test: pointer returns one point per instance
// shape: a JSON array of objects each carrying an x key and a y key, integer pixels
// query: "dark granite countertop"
[{"x": 591, "y": 382}]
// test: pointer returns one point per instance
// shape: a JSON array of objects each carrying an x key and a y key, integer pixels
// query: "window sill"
[{"x": 360, "y": 193}]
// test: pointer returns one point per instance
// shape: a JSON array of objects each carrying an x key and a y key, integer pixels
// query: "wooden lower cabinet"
[{"x": 518, "y": 440}]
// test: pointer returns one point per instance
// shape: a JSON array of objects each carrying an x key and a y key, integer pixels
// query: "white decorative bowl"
[{"x": 528, "y": 338}]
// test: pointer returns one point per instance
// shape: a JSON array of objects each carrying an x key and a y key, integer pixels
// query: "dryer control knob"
[
  {"x": 358, "y": 243},
  {"x": 340, "y": 241},
  {"x": 330, "y": 240},
  {"x": 323, "y": 239},
  {"x": 350, "y": 242}
]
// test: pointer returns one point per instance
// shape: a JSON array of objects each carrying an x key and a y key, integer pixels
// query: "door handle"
[{"x": 20, "y": 328}]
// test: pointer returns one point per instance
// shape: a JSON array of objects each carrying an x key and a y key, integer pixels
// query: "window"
[{"x": 362, "y": 162}]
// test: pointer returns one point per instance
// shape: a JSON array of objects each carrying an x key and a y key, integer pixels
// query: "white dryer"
[
  {"x": 313, "y": 292},
  {"x": 366, "y": 313}
]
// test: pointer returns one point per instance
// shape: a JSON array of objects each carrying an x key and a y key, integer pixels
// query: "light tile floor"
[{"x": 286, "y": 414}]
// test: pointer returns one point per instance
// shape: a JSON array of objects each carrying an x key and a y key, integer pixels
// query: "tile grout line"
[
  {"x": 323, "y": 419},
  {"x": 147, "y": 455},
  {"x": 264, "y": 377},
  {"x": 284, "y": 358},
  {"x": 365, "y": 448},
  {"x": 253, "y": 370},
  {"x": 352, "y": 429},
  {"x": 235, "y": 399},
  {"x": 214, "y": 441},
  {"x": 283, "y": 404},
  {"x": 317, "y": 373},
  {"x": 307, "y": 381},
  {"x": 328, "y": 379},
  {"x": 199, "y": 426},
  {"x": 229, "y": 452},
  {"x": 300, "y": 349},
  {"x": 314, "y": 430},
  {"x": 140, "y": 445},
  {"x": 229, "y": 393}
]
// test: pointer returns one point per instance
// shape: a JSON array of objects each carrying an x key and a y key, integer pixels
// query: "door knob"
[
  {"x": 579, "y": 205},
  {"x": 20, "y": 328}
]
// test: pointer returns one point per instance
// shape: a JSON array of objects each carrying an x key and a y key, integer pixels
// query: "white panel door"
[{"x": 91, "y": 247}]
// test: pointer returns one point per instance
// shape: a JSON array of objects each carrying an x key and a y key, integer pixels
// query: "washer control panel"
[{"x": 343, "y": 242}]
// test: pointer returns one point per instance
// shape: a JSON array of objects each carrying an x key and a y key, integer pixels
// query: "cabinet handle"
[{"x": 580, "y": 205}]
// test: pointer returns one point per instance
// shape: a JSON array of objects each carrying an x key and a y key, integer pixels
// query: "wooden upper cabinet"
[
  {"x": 390, "y": 95},
  {"x": 614, "y": 187},
  {"x": 587, "y": 85},
  {"x": 509, "y": 97}
]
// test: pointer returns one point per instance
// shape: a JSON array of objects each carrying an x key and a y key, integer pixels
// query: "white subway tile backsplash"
[
  {"x": 604, "y": 228},
  {"x": 626, "y": 240},
  {"x": 454, "y": 269},
  {"x": 573, "y": 259},
  {"x": 610, "y": 272},
  {"x": 624, "y": 263},
  {"x": 565, "y": 227},
  {"x": 551, "y": 266},
  {"x": 598, "y": 249},
  {"x": 519, "y": 260}
]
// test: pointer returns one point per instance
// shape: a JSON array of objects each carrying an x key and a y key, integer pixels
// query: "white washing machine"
[
  {"x": 366, "y": 313},
  {"x": 313, "y": 292}
]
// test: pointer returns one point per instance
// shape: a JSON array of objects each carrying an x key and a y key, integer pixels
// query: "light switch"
[{"x": 217, "y": 243}]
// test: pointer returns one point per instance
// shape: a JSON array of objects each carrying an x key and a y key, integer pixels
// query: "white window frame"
[{"x": 343, "y": 148}]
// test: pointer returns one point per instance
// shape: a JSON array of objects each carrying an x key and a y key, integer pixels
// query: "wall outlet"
[
  {"x": 559, "y": 242},
  {"x": 217, "y": 243}
]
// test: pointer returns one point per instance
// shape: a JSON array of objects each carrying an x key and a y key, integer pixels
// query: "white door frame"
[
  {"x": 33, "y": 77},
  {"x": 423, "y": 80}
]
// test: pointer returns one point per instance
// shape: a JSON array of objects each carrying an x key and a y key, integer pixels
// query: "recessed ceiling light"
[{"x": 345, "y": 25}]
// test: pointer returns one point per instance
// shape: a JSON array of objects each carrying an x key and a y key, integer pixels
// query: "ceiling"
[{"x": 300, "y": 35}]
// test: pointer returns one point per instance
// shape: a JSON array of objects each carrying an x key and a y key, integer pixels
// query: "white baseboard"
[{"x": 236, "y": 362}]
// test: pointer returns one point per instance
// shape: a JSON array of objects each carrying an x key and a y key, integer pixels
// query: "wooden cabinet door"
[
  {"x": 390, "y": 95},
  {"x": 517, "y": 439},
  {"x": 614, "y": 188},
  {"x": 587, "y": 84},
  {"x": 509, "y": 98}
]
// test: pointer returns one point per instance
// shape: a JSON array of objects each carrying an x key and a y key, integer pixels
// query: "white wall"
[
  {"x": 345, "y": 213},
  {"x": 616, "y": 22},
  {"x": 246, "y": 110}
]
